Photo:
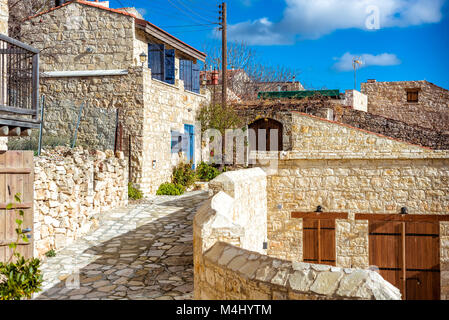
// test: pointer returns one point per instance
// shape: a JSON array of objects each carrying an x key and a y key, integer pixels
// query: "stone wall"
[
  {"x": 71, "y": 188},
  {"x": 166, "y": 108},
  {"x": 432, "y": 138},
  {"x": 389, "y": 99},
  {"x": 65, "y": 95},
  {"x": 67, "y": 32},
  {"x": 4, "y": 16},
  {"x": 347, "y": 170},
  {"x": 281, "y": 110},
  {"x": 225, "y": 266},
  {"x": 248, "y": 189},
  {"x": 356, "y": 100},
  {"x": 231, "y": 273},
  {"x": 313, "y": 135},
  {"x": 148, "y": 110}
]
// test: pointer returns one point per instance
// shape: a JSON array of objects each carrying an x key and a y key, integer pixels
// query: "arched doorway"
[{"x": 269, "y": 125}]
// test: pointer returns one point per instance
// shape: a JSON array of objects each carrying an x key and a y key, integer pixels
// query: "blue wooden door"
[{"x": 189, "y": 131}]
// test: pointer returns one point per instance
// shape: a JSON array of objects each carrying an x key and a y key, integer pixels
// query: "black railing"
[{"x": 19, "y": 84}]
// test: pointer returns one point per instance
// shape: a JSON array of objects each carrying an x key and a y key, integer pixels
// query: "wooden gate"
[
  {"x": 16, "y": 176},
  {"x": 268, "y": 125},
  {"x": 406, "y": 249}
]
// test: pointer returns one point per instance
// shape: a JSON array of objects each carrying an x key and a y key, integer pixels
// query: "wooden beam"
[
  {"x": 25, "y": 205},
  {"x": 15, "y": 170},
  {"x": 15, "y": 132},
  {"x": 402, "y": 217},
  {"x": 320, "y": 215},
  {"x": 7, "y": 242},
  {"x": 17, "y": 110}
]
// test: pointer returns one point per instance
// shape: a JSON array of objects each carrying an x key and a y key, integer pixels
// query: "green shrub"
[
  {"x": 184, "y": 175},
  {"x": 51, "y": 253},
  {"x": 134, "y": 193},
  {"x": 170, "y": 189},
  {"x": 206, "y": 172},
  {"x": 21, "y": 278},
  {"x": 32, "y": 142}
]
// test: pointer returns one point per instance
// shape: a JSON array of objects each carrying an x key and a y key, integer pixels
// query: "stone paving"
[{"x": 141, "y": 252}]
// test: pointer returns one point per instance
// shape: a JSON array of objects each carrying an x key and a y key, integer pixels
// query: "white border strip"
[{"x": 87, "y": 73}]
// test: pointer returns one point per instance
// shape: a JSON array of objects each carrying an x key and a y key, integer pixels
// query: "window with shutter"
[
  {"x": 156, "y": 58},
  {"x": 190, "y": 74},
  {"x": 412, "y": 95},
  {"x": 170, "y": 66},
  {"x": 176, "y": 142},
  {"x": 319, "y": 241},
  {"x": 196, "y": 78}
]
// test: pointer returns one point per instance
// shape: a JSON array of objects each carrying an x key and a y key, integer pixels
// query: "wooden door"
[
  {"x": 422, "y": 247},
  {"x": 263, "y": 130},
  {"x": 407, "y": 255},
  {"x": 319, "y": 241},
  {"x": 16, "y": 176}
]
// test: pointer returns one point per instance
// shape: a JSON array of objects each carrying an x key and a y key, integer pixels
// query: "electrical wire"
[{"x": 193, "y": 18}]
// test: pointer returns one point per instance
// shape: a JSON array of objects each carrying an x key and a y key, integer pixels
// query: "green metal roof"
[{"x": 298, "y": 94}]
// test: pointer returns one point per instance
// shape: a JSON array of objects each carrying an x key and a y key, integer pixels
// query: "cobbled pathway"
[{"x": 140, "y": 252}]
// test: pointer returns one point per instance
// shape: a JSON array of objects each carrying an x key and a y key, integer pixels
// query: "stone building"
[
  {"x": 419, "y": 103},
  {"x": 356, "y": 177},
  {"x": 114, "y": 61}
]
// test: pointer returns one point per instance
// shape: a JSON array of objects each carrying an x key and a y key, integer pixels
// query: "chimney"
[{"x": 371, "y": 81}]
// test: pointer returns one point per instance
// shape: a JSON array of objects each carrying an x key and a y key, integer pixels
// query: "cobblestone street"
[{"x": 140, "y": 252}]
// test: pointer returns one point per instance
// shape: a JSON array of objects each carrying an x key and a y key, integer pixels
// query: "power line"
[
  {"x": 183, "y": 11},
  {"x": 190, "y": 26},
  {"x": 201, "y": 8}
]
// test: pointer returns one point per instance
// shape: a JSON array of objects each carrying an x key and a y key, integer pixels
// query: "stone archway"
[{"x": 268, "y": 125}]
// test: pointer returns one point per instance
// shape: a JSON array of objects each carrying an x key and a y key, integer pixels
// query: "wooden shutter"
[
  {"x": 170, "y": 66},
  {"x": 319, "y": 241},
  {"x": 186, "y": 74},
  {"x": 196, "y": 78},
  {"x": 156, "y": 57}
]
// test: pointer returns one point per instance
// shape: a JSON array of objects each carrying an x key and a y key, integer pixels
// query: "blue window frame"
[
  {"x": 161, "y": 61},
  {"x": 189, "y": 131}
]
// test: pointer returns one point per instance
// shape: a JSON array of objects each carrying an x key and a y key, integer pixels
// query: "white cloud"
[
  {"x": 312, "y": 19},
  {"x": 258, "y": 32},
  {"x": 344, "y": 63}
]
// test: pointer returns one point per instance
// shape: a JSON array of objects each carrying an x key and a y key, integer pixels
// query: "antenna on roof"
[{"x": 356, "y": 61}]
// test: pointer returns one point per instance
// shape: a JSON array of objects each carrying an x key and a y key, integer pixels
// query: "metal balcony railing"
[{"x": 19, "y": 86}]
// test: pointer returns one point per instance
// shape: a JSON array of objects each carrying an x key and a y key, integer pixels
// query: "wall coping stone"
[{"x": 302, "y": 278}]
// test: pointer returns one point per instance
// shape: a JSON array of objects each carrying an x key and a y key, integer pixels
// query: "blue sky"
[{"x": 396, "y": 39}]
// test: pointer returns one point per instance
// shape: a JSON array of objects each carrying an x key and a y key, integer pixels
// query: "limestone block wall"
[
  {"x": 4, "y": 16},
  {"x": 100, "y": 94},
  {"x": 166, "y": 108},
  {"x": 71, "y": 188},
  {"x": 148, "y": 110},
  {"x": 248, "y": 188},
  {"x": 231, "y": 273},
  {"x": 356, "y": 100},
  {"x": 67, "y": 32},
  {"x": 226, "y": 268},
  {"x": 312, "y": 135},
  {"x": 389, "y": 99}
]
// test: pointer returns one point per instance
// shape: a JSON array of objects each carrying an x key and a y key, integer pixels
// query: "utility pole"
[{"x": 224, "y": 54}]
